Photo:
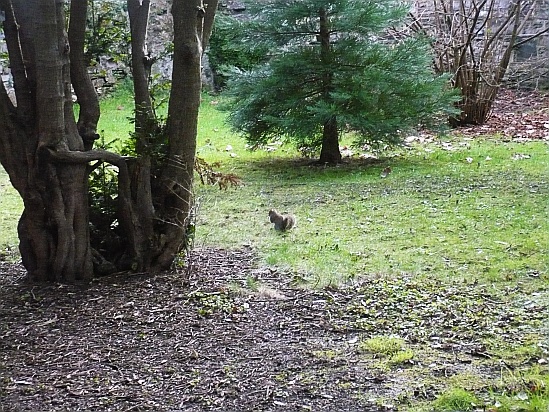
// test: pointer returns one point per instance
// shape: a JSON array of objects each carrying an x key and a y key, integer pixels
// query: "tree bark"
[
  {"x": 18, "y": 120},
  {"x": 175, "y": 197},
  {"x": 83, "y": 87},
  {"x": 210, "y": 8},
  {"x": 53, "y": 229},
  {"x": 330, "y": 143},
  {"x": 329, "y": 152},
  {"x": 145, "y": 124},
  {"x": 138, "y": 218}
]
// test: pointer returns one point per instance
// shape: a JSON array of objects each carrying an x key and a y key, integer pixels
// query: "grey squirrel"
[{"x": 282, "y": 222}]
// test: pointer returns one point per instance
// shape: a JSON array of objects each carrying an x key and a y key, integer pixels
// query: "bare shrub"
[{"x": 474, "y": 41}]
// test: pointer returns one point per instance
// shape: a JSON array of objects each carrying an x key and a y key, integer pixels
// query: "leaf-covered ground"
[
  {"x": 233, "y": 336},
  {"x": 516, "y": 114}
]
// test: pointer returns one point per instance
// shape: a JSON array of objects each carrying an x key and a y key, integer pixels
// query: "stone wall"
[{"x": 529, "y": 67}]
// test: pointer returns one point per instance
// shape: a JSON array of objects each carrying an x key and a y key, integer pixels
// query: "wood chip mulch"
[{"x": 167, "y": 343}]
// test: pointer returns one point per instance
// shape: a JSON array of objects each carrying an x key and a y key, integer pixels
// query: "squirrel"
[{"x": 282, "y": 222}]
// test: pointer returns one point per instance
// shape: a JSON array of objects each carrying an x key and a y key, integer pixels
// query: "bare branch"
[
  {"x": 75, "y": 157},
  {"x": 532, "y": 37},
  {"x": 515, "y": 12}
]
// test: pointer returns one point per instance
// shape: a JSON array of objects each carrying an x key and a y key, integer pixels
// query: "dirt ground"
[
  {"x": 233, "y": 336},
  {"x": 165, "y": 343}
]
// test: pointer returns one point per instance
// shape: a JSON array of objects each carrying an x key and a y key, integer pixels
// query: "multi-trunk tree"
[
  {"x": 334, "y": 67},
  {"x": 474, "y": 41},
  {"x": 48, "y": 153}
]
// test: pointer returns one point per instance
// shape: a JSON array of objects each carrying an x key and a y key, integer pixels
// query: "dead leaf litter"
[{"x": 236, "y": 337}]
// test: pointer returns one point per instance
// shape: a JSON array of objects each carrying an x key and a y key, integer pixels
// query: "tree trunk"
[
  {"x": 330, "y": 143},
  {"x": 138, "y": 219},
  {"x": 145, "y": 123},
  {"x": 46, "y": 153},
  {"x": 53, "y": 230},
  {"x": 211, "y": 8},
  {"x": 83, "y": 87},
  {"x": 329, "y": 152},
  {"x": 175, "y": 198},
  {"x": 15, "y": 121}
]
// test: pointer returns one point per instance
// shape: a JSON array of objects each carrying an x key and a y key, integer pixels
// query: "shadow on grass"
[
  {"x": 411, "y": 171},
  {"x": 310, "y": 169}
]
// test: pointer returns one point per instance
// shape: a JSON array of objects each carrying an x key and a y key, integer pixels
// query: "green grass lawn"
[
  {"x": 471, "y": 209},
  {"x": 469, "y": 212},
  {"x": 10, "y": 210},
  {"x": 454, "y": 209}
]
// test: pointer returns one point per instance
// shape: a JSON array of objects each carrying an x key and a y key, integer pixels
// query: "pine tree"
[{"x": 333, "y": 68}]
